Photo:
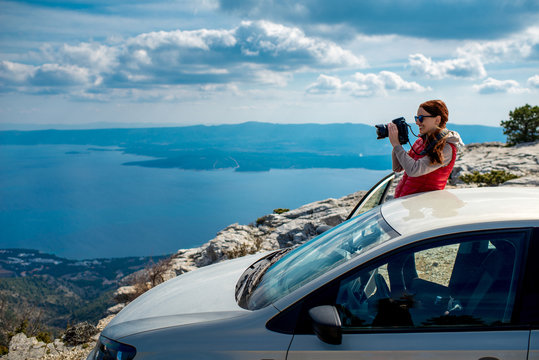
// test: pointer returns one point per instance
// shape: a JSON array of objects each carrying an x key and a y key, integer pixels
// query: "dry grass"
[
  {"x": 151, "y": 276},
  {"x": 436, "y": 265}
]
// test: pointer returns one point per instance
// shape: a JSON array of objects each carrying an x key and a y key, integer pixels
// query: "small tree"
[{"x": 523, "y": 125}]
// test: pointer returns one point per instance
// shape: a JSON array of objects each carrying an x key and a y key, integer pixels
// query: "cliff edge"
[{"x": 281, "y": 229}]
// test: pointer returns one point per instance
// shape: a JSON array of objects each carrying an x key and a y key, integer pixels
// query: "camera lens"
[{"x": 381, "y": 131}]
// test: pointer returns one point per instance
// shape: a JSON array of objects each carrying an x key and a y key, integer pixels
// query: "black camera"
[{"x": 402, "y": 127}]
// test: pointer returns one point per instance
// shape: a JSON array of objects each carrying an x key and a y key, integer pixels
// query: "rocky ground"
[
  {"x": 276, "y": 231},
  {"x": 521, "y": 160}
]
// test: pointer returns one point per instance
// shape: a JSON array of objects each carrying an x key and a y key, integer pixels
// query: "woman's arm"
[
  {"x": 421, "y": 166},
  {"x": 396, "y": 164}
]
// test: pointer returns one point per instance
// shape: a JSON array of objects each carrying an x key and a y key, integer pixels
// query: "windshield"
[{"x": 319, "y": 255}]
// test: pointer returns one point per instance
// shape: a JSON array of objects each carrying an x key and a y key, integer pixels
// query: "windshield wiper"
[{"x": 251, "y": 277}]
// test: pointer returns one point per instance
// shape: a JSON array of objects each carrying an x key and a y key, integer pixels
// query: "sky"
[{"x": 97, "y": 63}]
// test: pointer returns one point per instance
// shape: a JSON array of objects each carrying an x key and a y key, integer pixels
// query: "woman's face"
[{"x": 429, "y": 123}]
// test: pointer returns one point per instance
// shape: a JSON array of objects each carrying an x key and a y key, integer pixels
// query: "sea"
[{"x": 81, "y": 202}]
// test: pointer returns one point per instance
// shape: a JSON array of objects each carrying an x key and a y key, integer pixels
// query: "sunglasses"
[{"x": 421, "y": 117}]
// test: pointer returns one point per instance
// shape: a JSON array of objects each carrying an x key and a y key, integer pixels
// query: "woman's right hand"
[{"x": 393, "y": 133}]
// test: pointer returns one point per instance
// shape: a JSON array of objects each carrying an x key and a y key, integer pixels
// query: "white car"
[{"x": 449, "y": 274}]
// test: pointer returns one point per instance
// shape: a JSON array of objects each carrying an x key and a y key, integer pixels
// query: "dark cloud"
[{"x": 459, "y": 19}]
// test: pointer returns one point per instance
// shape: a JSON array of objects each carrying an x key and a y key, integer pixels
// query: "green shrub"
[
  {"x": 522, "y": 126},
  {"x": 280, "y": 211},
  {"x": 3, "y": 350},
  {"x": 44, "y": 337},
  {"x": 493, "y": 178},
  {"x": 23, "y": 327}
]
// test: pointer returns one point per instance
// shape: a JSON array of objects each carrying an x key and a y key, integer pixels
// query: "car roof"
[{"x": 446, "y": 208}]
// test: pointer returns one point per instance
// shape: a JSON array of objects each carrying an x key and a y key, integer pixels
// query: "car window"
[
  {"x": 320, "y": 255},
  {"x": 466, "y": 282},
  {"x": 374, "y": 197}
]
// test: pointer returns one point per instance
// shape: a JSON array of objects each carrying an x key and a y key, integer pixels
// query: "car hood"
[{"x": 205, "y": 294}]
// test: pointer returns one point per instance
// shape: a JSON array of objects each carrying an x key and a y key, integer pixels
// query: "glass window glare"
[{"x": 320, "y": 255}]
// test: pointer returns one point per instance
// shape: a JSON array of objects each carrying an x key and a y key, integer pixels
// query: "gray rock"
[
  {"x": 59, "y": 345},
  {"x": 124, "y": 294},
  {"x": 322, "y": 228},
  {"x": 23, "y": 348},
  {"x": 521, "y": 160},
  {"x": 51, "y": 350},
  {"x": 528, "y": 181},
  {"x": 299, "y": 238},
  {"x": 116, "y": 308}
]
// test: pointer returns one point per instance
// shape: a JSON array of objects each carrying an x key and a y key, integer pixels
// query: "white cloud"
[
  {"x": 491, "y": 86},
  {"x": 270, "y": 39},
  {"x": 60, "y": 75},
  {"x": 393, "y": 81},
  {"x": 465, "y": 67},
  {"x": 325, "y": 84},
  {"x": 272, "y": 77},
  {"x": 98, "y": 57},
  {"x": 364, "y": 85},
  {"x": 523, "y": 46},
  {"x": 15, "y": 73},
  {"x": 473, "y": 56},
  {"x": 46, "y": 75},
  {"x": 255, "y": 51},
  {"x": 196, "y": 39},
  {"x": 534, "y": 81}
]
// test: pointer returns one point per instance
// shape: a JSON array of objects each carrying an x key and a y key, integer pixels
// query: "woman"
[{"x": 428, "y": 164}]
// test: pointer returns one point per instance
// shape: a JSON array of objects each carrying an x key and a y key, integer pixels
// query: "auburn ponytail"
[{"x": 436, "y": 108}]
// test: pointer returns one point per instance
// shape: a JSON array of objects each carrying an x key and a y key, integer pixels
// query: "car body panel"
[
  {"x": 534, "y": 345},
  {"x": 205, "y": 294},
  {"x": 440, "y": 209},
  {"x": 244, "y": 337},
  {"x": 502, "y": 345}
]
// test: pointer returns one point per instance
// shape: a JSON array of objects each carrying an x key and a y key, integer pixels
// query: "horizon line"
[{"x": 117, "y": 126}]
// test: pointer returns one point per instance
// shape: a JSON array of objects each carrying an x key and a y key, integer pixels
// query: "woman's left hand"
[{"x": 393, "y": 134}]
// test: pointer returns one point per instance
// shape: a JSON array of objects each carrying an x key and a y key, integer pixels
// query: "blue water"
[{"x": 80, "y": 203}]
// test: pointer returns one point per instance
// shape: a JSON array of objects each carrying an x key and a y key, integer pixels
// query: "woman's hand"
[{"x": 393, "y": 134}]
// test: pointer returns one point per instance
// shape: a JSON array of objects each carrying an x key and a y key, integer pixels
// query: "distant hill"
[
  {"x": 250, "y": 146},
  {"x": 50, "y": 292}
]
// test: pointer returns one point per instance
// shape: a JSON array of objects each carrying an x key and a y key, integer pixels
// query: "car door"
[
  {"x": 374, "y": 197},
  {"x": 446, "y": 298}
]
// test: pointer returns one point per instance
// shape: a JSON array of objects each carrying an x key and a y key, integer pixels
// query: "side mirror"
[{"x": 326, "y": 324}]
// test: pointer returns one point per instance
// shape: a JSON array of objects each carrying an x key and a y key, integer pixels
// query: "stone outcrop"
[
  {"x": 83, "y": 335},
  {"x": 521, "y": 160}
]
